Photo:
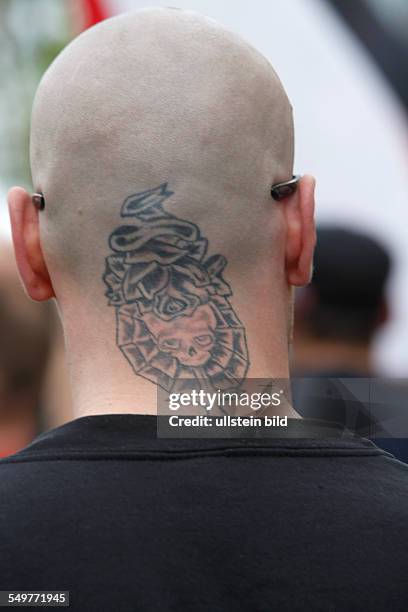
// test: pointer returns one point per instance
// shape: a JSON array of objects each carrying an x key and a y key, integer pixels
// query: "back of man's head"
[
  {"x": 157, "y": 96},
  {"x": 156, "y": 138}
]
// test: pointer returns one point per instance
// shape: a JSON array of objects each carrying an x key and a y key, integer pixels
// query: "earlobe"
[
  {"x": 27, "y": 247},
  {"x": 301, "y": 233}
]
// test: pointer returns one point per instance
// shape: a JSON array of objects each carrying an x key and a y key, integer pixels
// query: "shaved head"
[
  {"x": 156, "y": 138},
  {"x": 152, "y": 96}
]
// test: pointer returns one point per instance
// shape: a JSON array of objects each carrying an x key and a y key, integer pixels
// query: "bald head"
[
  {"x": 156, "y": 138},
  {"x": 151, "y": 96},
  {"x": 156, "y": 93}
]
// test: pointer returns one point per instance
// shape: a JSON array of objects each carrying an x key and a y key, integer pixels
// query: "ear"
[
  {"x": 26, "y": 238},
  {"x": 298, "y": 210}
]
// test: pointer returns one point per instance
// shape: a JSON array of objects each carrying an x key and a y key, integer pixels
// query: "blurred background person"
[
  {"x": 339, "y": 314},
  {"x": 34, "y": 393},
  {"x": 337, "y": 318},
  {"x": 25, "y": 332}
]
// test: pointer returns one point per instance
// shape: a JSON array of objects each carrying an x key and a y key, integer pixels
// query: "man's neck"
[
  {"x": 105, "y": 383},
  {"x": 120, "y": 362}
]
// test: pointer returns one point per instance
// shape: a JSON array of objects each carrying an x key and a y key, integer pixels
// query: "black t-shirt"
[{"x": 128, "y": 522}]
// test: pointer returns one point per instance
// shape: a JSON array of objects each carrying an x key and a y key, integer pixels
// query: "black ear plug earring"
[
  {"x": 38, "y": 200},
  {"x": 285, "y": 189}
]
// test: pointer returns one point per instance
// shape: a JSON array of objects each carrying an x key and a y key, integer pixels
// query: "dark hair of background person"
[{"x": 346, "y": 299}]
